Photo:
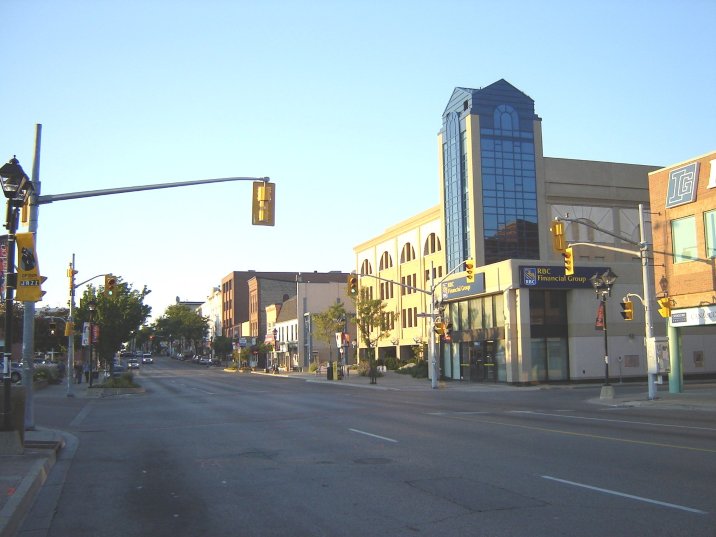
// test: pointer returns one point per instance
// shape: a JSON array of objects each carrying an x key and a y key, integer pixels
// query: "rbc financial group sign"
[{"x": 546, "y": 277}]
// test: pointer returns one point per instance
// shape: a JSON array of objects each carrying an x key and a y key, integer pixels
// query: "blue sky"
[{"x": 339, "y": 103}]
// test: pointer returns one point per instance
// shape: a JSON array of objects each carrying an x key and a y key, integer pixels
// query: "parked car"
[
  {"x": 132, "y": 363},
  {"x": 205, "y": 360}
]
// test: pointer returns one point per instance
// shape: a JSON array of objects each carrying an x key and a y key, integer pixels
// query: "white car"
[
  {"x": 132, "y": 363},
  {"x": 147, "y": 358}
]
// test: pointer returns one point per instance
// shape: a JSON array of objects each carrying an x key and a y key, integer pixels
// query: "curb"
[{"x": 14, "y": 511}]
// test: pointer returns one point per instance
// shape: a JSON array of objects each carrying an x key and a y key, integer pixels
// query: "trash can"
[{"x": 329, "y": 371}]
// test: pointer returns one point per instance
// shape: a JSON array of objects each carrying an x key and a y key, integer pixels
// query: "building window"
[
  {"x": 432, "y": 244},
  {"x": 710, "y": 232},
  {"x": 385, "y": 261},
  {"x": 683, "y": 239},
  {"x": 408, "y": 253}
]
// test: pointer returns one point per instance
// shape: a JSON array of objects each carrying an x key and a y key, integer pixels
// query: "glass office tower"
[{"x": 488, "y": 144}]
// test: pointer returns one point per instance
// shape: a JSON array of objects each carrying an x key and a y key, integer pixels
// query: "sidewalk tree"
[
  {"x": 327, "y": 323},
  {"x": 222, "y": 346},
  {"x": 117, "y": 316},
  {"x": 370, "y": 321}
]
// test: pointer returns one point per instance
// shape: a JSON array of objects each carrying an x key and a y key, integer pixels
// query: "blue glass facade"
[{"x": 509, "y": 181}]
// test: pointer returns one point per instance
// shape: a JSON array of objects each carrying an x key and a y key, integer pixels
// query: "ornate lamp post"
[
  {"x": 17, "y": 188},
  {"x": 603, "y": 284}
]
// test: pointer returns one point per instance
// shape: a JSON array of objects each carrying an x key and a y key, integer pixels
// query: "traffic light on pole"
[
  {"x": 53, "y": 327},
  {"x": 627, "y": 310},
  {"x": 352, "y": 285},
  {"x": 263, "y": 203},
  {"x": 110, "y": 283},
  {"x": 568, "y": 255},
  {"x": 439, "y": 328},
  {"x": 558, "y": 242},
  {"x": 470, "y": 270},
  {"x": 664, "y": 307}
]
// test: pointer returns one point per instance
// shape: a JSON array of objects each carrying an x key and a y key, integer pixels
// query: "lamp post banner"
[
  {"x": 3, "y": 264},
  {"x": 599, "y": 324}
]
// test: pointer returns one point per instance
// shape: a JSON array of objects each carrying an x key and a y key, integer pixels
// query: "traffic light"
[
  {"x": 470, "y": 270},
  {"x": 53, "y": 327},
  {"x": 263, "y": 203},
  {"x": 448, "y": 331},
  {"x": 439, "y": 328},
  {"x": 110, "y": 283},
  {"x": 627, "y": 310},
  {"x": 664, "y": 307},
  {"x": 568, "y": 261},
  {"x": 558, "y": 242},
  {"x": 352, "y": 285}
]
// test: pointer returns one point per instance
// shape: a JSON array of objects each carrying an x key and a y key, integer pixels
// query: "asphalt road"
[{"x": 204, "y": 452}]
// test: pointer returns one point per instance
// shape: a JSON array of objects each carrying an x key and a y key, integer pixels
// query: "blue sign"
[
  {"x": 682, "y": 185},
  {"x": 460, "y": 288},
  {"x": 546, "y": 277}
]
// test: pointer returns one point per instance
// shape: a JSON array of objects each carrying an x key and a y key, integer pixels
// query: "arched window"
[
  {"x": 385, "y": 261},
  {"x": 365, "y": 268},
  {"x": 407, "y": 253},
  {"x": 505, "y": 118},
  {"x": 432, "y": 244}
]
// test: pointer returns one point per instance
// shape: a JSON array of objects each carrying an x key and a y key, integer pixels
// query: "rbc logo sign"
[{"x": 682, "y": 185}]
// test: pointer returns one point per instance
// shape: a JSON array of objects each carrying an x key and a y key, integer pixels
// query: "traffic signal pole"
[{"x": 649, "y": 293}]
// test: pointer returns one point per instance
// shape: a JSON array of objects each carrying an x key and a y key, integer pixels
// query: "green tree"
[
  {"x": 369, "y": 319},
  {"x": 222, "y": 346},
  {"x": 327, "y": 323},
  {"x": 179, "y": 322},
  {"x": 117, "y": 316}
]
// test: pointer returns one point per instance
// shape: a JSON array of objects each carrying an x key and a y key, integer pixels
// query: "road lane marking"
[
  {"x": 666, "y": 425},
  {"x": 585, "y": 435},
  {"x": 625, "y": 495},
  {"x": 374, "y": 435}
]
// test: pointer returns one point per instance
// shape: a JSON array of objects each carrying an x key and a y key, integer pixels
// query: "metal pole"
[
  {"x": 649, "y": 298},
  {"x": 28, "y": 325},
  {"x": 71, "y": 336},
  {"x": 606, "y": 344},
  {"x": 431, "y": 332},
  {"x": 11, "y": 225}
]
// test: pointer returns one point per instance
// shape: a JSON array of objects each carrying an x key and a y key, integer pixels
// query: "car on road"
[
  {"x": 147, "y": 358},
  {"x": 132, "y": 363},
  {"x": 205, "y": 360}
]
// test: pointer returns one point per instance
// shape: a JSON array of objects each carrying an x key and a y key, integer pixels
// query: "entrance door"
[{"x": 483, "y": 365}]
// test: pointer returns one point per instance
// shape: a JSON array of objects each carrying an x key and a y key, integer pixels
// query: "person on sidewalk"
[
  {"x": 86, "y": 371},
  {"x": 78, "y": 373}
]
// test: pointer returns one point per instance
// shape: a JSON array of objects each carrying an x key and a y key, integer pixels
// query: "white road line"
[
  {"x": 651, "y": 424},
  {"x": 624, "y": 495},
  {"x": 374, "y": 435}
]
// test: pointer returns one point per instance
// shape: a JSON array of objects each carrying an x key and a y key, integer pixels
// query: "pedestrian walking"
[
  {"x": 86, "y": 370},
  {"x": 78, "y": 373}
]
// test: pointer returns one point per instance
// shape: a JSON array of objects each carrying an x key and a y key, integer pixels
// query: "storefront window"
[
  {"x": 710, "y": 232},
  {"x": 683, "y": 239}
]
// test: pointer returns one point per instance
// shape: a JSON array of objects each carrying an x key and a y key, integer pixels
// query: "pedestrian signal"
[
  {"x": 263, "y": 203},
  {"x": 664, "y": 307},
  {"x": 627, "y": 310},
  {"x": 558, "y": 242}
]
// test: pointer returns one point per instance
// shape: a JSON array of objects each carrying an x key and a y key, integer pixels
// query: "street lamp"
[
  {"x": 17, "y": 188},
  {"x": 603, "y": 284}
]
